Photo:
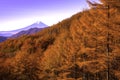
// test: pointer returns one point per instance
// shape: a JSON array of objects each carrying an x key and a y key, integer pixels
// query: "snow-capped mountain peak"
[{"x": 37, "y": 24}]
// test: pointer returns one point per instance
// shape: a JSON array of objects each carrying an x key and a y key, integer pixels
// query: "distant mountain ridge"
[
  {"x": 10, "y": 33},
  {"x": 26, "y": 32},
  {"x": 2, "y": 38},
  {"x": 34, "y": 28}
]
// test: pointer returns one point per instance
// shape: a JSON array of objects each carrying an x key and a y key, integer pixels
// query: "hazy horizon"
[{"x": 21, "y": 13}]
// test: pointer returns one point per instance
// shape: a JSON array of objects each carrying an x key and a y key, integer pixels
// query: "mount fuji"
[{"x": 28, "y": 28}]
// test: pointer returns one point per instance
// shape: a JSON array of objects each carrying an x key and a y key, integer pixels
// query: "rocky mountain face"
[{"x": 83, "y": 47}]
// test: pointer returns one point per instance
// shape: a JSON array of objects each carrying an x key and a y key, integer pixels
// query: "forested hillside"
[{"x": 85, "y": 46}]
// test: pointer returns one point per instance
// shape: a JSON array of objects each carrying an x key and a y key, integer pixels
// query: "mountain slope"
[
  {"x": 83, "y": 47},
  {"x": 26, "y": 32}
]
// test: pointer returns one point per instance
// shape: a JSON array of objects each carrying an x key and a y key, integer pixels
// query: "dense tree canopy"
[{"x": 74, "y": 49}]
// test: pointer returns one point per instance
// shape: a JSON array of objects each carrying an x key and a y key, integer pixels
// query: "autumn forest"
[{"x": 85, "y": 46}]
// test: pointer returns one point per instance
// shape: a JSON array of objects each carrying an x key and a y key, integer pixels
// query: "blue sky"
[{"x": 15, "y": 14}]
